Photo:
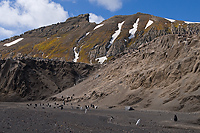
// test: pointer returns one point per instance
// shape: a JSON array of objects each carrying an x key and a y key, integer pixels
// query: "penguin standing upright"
[{"x": 175, "y": 118}]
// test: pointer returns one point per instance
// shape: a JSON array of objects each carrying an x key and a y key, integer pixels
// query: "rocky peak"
[{"x": 84, "y": 17}]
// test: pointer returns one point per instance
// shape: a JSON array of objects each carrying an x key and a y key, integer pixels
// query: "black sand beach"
[{"x": 18, "y": 118}]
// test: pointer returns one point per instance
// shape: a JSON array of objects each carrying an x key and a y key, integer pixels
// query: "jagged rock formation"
[
  {"x": 91, "y": 40},
  {"x": 29, "y": 79},
  {"x": 161, "y": 74}
]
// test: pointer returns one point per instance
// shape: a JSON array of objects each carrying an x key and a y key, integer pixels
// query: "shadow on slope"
[{"x": 29, "y": 79}]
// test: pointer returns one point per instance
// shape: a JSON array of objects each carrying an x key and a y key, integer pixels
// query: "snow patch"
[
  {"x": 116, "y": 34},
  {"x": 171, "y": 20},
  {"x": 187, "y": 22},
  {"x": 76, "y": 55},
  {"x": 101, "y": 59},
  {"x": 91, "y": 62},
  {"x": 191, "y": 22},
  {"x": 98, "y": 26},
  {"x": 133, "y": 31},
  {"x": 83, "y": 36},
  {"x": 87, "y": 33},
  {"x": 150, "y": 22},
  {"x": 13, "y": 42}
]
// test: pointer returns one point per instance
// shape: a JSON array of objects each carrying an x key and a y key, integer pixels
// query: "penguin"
[{"x": 175, "y": 118}]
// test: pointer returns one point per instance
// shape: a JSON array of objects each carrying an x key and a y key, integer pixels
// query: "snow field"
[
  {"x": 101, "y": 59},
  {"x": 116, "y": 34},
  {"x": 98, "y": 26},
  {"x": 76, "y": 55},
  {"x": 13, "y": 42},
  {"x": 134, "y": 29},
  {"x": 150, "y": 22}
]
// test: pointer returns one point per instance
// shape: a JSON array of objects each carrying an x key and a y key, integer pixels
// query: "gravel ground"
[{"x": 19, "y": 118}]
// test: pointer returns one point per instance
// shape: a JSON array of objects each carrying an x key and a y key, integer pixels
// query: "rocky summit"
[{"x": 147, "y": 62}]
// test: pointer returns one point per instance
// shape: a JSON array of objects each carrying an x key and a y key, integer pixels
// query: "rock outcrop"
[{"x": 30, "y": 79}]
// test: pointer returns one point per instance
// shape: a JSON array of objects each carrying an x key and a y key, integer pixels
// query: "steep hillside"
[
  {"x": 152, "y": 62},
  {"x": 161, "y": 74},
  {"x": 77, "y": 39},
  {"x": 29, "y": 79}
]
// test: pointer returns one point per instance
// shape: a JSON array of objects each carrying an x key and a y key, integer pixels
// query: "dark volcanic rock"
[{"x": 29, "y": 79}]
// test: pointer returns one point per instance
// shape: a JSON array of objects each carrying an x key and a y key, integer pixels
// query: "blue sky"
[
  {"x": 18, "y": 16},
  {"x": 176, "y": 9}
]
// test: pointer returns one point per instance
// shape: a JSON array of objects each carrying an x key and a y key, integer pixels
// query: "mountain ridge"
[{"x": 59, "y": 40}]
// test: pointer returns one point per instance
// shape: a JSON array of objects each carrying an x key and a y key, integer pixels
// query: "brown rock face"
[
  {"x": 162, "y": 74},
  {"x": 29, "y": 79}
]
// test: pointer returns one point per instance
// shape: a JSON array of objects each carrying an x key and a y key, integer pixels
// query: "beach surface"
[{"x": 49, "y": 117}]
